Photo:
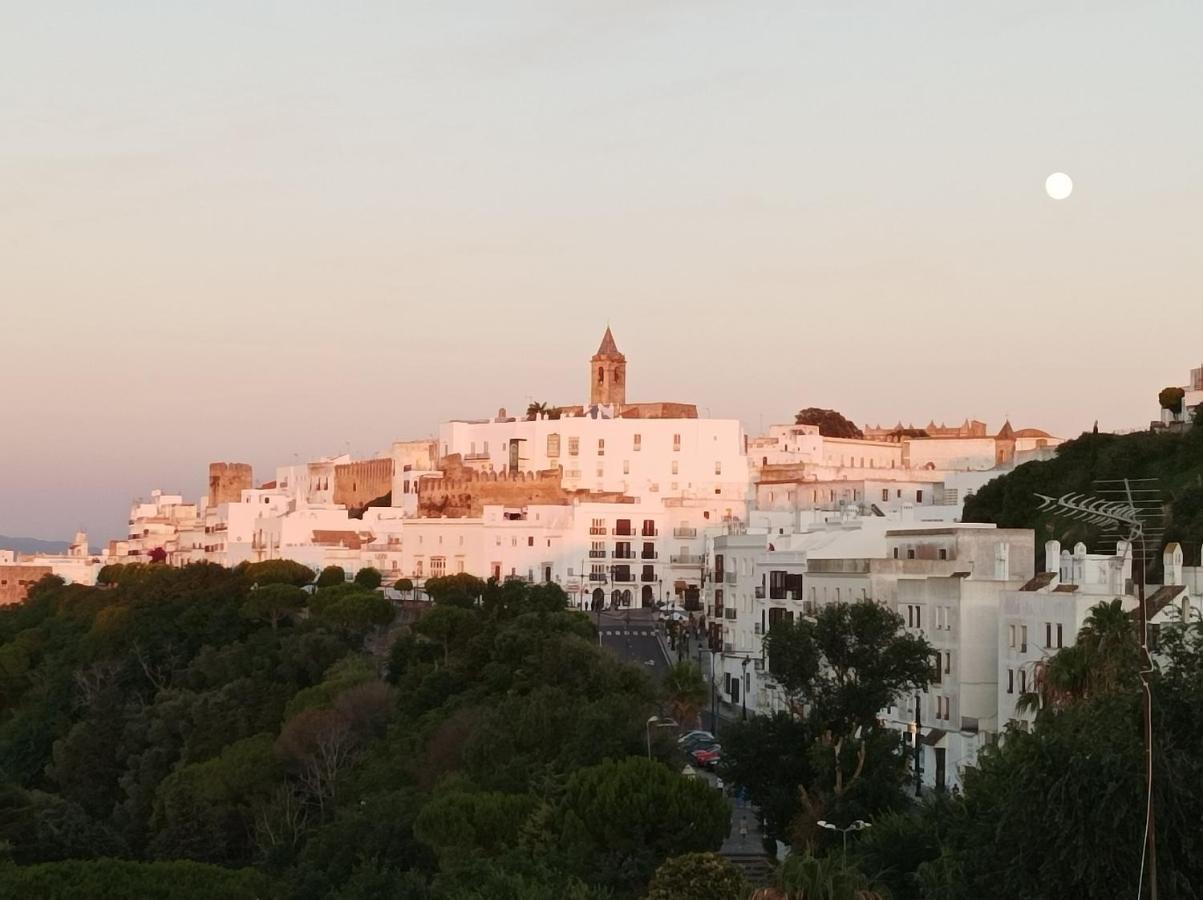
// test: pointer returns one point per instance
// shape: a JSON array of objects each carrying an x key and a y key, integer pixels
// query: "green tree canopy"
[
  {"x": 279, "y": 571},
  {"x": 369, "y": 578},
  {"x": 331, "y": 576},
  {"x": 830, "y": 422}
]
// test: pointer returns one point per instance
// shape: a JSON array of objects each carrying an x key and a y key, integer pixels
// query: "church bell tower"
[{"x": 608, "y": 374}]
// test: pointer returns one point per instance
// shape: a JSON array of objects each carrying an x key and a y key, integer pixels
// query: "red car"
[{"x": 706, "y": 757}]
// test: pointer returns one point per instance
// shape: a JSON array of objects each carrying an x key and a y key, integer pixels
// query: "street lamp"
[
  {"x": 657, "y": 722},
  {"x": 858, "y": 825}
]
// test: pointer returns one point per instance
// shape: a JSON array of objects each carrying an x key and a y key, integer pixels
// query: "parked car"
[
  {"x": 694, "y": 734},
  {"x": 707, "y": 757},
  {"x": 696, "y": 742}
]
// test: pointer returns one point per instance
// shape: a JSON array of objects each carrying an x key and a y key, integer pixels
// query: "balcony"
[
  {"x": 648, "y": 554},
  {"x": 650, "y": 532},
  {"x": 597, "y": 529},
  {"x": 597, "y": 554},
  {"x": 729, "y": 578},
  {"x": 598, "y": 577},
  {"x": 624, "y": 578},
  {"x": 686, "y": 559},
  {"x": 759, "y": 592},
  {"x": 729, "y": 613},
  {"x": 624, "y": 531},
  {"x": 647, "y": 576},
  {"x": 624, "y": 554},
  {"x": 685, "y": 532}
]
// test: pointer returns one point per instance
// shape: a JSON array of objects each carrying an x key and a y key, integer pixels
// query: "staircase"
[{"x": 756, "y": 868}]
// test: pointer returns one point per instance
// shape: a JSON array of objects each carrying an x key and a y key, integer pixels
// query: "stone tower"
[
  {"x": 227, "y": 481},
  {"x": 608, "y": 374}
]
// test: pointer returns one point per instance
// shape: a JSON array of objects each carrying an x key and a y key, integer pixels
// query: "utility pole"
[{"x": 1129, "y": 505}]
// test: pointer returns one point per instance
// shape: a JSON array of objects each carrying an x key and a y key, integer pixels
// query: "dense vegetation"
[
  {"x": 1175, "y": 458},
  {"x": 830, "y": 422},
  {"x": 201, "y": 732}
]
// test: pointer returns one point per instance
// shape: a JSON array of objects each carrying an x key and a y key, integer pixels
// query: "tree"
[
  {"x": 319, "y": 744},
  {"x": 851, "y": 662},
  {"x": 766, "y": 756},
  {"x": 330, "y": 576},
  {"x": 621, "y": 819},
  {"x": 352, "y": 608},
  {"x": 696, "y": 876},
  {"x": 273, "y": 602},
  {"x": 1171, "y": 399},
  {"x": 460, "y": 589},
  {"x": 447, "y": 625},
  {"x": 686, "y": 692},
  {"x": 1104, "y": 659},
  {"x": 534, "y": 410},
  {"x": 279, "y": 571},
  {"x": 369, "y": 578},
  {"x": 1077, "y": 782},
  {"x": 405, "y": 586},
  {"x": 830, "y": 422},
  {"x": 838, "y": 672},
  {"x": 157, "y": 556}
]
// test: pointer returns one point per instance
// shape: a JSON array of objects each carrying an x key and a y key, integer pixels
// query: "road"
[{"x": 631, "y": 636}]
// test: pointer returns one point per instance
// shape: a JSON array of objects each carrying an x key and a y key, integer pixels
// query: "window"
[
  {"x": 718, "y": 468},
  {"x": 1023, "y": 681},
  {"x": 947, "y": 662},
  {"x": 1011, "y": 636},
  {"x": 530, "y": 541},
  {"x": 676, "y": 442},
  {"x": 638, "y": 441},
  {"x": 574, "y": 446},
  {"x": 675, "y": 467},
  {"x": 601, "y": 376},
  {"x": 626, "y": 467},
  {"x": 918, "y": 496},
  {"x": 938, "y": 669},
  {"x": 1023, "y": 639},
  {"x": 1048, "y": 635},
  {"x": 553, "y": 445},
  {"x": 1010, "y": 681},
  {"x": 1059, "y": 634},
  {"x": 601, "y": 446},
  {"x": 910, "y": 552},
  {"x": 895, "y": 553},
  {"x": 943, "y": 553},
  {"x": 885, "y": 494}
]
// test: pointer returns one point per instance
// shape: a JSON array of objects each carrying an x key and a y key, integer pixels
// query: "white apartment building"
[{"x": 1048, "y": 611}]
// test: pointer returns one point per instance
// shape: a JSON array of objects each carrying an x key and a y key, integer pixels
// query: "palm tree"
[
  {"x": 1105, "y": 658},
  {"x": 534, "y": 410},
  {"x": 685, "y": 692}
]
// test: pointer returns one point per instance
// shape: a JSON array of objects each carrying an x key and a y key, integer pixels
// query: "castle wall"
[
  {"x": 227, "y": 481},
  {"x": 461, "y": 492},
  {"x": 357, "y": 484},
  {"x": 16, "y": 580}
]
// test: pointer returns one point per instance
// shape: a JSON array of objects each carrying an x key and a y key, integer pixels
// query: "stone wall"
[
  {"x": 16, "y": 580},
  {"x": 227, "y": 481},
  {"x": 358, "y": 485},
  {"x": 461, "y": 492}
]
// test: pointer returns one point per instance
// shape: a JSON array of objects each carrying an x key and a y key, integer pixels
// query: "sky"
[{"x": 265, "y": 232}]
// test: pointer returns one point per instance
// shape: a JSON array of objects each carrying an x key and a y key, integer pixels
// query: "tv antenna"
[{"x": 1132, "y": 507}]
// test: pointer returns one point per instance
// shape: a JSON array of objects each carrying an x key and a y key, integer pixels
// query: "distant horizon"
[{"x": 249, "y": 232}]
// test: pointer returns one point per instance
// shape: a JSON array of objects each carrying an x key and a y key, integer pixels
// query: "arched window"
[{"x": 601, "y": 376}]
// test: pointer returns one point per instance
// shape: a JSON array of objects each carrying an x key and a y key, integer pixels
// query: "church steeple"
[{"x": 608, "y": 374}]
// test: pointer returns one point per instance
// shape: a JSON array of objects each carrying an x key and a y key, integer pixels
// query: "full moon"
[{"x": 1058, "y": 185}]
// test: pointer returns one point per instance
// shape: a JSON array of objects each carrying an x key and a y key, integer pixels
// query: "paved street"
[{"x": 631, "y": 635}]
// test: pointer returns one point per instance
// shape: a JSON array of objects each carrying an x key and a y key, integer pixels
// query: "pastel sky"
[{"x": 264, "y": 231}]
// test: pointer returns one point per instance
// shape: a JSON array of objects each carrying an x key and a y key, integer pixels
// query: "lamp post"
[
  {"x": 858, "y": 825},
  {"x": 656, "y": 721}
]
